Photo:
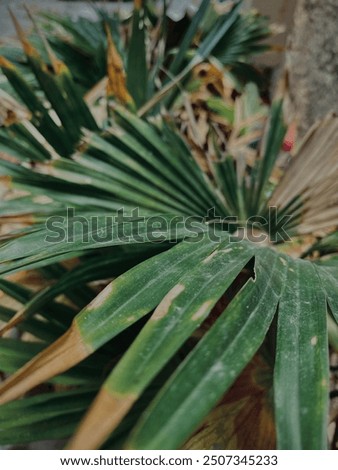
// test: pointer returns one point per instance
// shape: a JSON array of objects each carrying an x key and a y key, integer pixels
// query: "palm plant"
[{"x": 207, "y": 282}]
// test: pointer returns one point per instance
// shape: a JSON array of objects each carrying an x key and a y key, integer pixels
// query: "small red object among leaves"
[{"x": 290, "y": 138}]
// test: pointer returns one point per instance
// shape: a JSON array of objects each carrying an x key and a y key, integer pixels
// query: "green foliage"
[
  {"x": 82, "y": 45},
  {"x": 185, "y": 307}
]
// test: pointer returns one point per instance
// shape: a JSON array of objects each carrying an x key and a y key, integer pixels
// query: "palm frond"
[{"x": 167, "y": 305}]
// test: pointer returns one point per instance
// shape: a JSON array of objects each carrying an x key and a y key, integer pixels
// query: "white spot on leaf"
[
  {"x": 210, "y": 257},
  {"x": 201, "y": 311},
  {"x": 164, "y": 306},
  {"x": 314, "y": 340}
]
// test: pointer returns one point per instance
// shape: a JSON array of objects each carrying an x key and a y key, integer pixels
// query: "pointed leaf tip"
[
  {"x": 27, "y": 46},
  {"x": 65, "y": 353}
]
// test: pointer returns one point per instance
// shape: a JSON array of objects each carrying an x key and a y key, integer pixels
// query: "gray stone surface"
[
  {"x": 312, "y": 61},
  {"x": 73, "y": 9}
]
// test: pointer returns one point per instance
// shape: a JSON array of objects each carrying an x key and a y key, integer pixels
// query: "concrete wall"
[{"x": 312, "y": 61}]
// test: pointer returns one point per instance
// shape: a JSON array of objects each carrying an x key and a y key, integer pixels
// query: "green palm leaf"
[
  {"x": 162, "y": 304},
  {"x": 215, "y": 362}
]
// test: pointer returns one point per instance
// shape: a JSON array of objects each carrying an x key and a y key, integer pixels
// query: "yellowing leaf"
[
  {"x": 26, "y": 45},
  {"x": 116, "y": 85},
  {"x": 138, "y": 4}
]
